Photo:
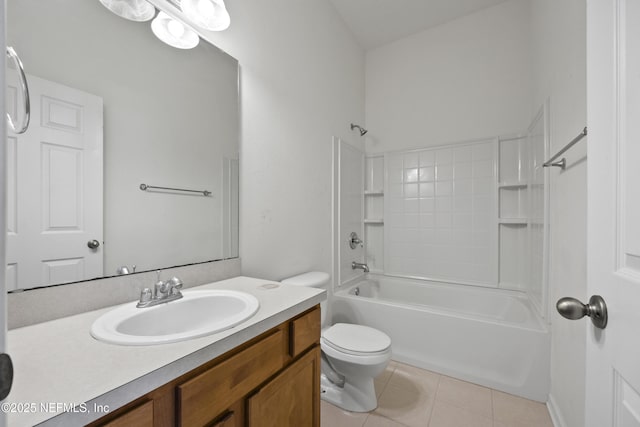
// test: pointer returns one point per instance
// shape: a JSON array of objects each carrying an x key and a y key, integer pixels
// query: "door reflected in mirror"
[{"x": 114, "y": 108}]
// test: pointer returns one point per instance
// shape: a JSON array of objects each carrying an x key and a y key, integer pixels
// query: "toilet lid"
[{"x": 356, "y": 338}]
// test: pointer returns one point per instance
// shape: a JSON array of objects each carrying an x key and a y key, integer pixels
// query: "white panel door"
[
  {"x": 54, "y": 187},
  {"x": 613, "y": 98},
  {"x": 3, "y": 205}
]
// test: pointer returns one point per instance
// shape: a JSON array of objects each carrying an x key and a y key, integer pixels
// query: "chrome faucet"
[
  {"x": 361, "y": 265},
  {"x": 125, "y": 270},
  {"x": 162, "y": 292}
]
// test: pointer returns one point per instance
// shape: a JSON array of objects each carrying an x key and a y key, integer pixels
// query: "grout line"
[
  {"x": 386, "y": 383},
  {"x": 493, "y": 409},
  {"x": 435, "y": 397},
  {"x": 390, "y": 419},
  {"x": 466, "y": 408}
]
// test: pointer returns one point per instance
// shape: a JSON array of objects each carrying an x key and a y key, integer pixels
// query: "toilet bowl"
[{"x": 352, "y": 356}]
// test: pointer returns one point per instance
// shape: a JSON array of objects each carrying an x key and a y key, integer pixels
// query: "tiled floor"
[{"x": 413, "y": 397}]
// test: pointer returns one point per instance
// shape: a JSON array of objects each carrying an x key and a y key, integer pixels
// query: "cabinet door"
[
  {"x": 229, "y": 420},
  {"x": 140, "y": 416},
  {"x": 234, "y": 417},
  {"x": 292, "y": 398}
]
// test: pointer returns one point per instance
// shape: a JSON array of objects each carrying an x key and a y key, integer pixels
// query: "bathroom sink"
[{"x": 197, "y": 314}]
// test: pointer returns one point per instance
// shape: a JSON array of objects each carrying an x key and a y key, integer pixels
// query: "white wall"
[
  {"x": 559, "y": 59},
  {"x": 302, "y": 78},
  {"x": 466, "y": 79}
]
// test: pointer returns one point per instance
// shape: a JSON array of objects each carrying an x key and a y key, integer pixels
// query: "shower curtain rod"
[{"x": 563, "y": 163}]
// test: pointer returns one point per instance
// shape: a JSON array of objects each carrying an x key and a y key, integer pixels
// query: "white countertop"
[{"x": 58, "y": 364}]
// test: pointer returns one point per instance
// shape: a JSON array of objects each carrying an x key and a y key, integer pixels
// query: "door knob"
[
  {"x": 6, "y": 375},
  {"x": 573, "y": 309},
  {"x": 93, "y": 244}
]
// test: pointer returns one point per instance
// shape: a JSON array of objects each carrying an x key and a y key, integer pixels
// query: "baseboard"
[{"x": 556, "y": 416}]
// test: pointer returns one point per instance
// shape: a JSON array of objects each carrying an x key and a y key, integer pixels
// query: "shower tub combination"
[{"x": 491, "y": 337}]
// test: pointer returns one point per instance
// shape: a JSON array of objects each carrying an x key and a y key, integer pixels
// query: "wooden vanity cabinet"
[
  {"x": 207, "y": 395},
  {"x": 272, "y": 380},
  {"x": 291, "y": 398}
]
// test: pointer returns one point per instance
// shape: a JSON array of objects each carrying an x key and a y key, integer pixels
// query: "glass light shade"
[
  {"x": 173, "y": 32},
  {"x": 133, "y": 10},
  {"x": 209, "y": 14}
]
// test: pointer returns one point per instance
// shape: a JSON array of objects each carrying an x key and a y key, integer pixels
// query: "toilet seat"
[
  {"x": 361, "y": 359},
  {"x": 356, "y": 339},
  {"x": 356, "y": 343}
]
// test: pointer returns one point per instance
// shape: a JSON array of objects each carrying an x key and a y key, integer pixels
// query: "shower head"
[{"x": 362, "y": 130}]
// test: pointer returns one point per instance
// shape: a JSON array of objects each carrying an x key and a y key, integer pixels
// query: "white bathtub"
[{"x": 490, "y": 337}]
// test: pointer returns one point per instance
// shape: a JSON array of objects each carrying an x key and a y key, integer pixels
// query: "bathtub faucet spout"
[{"x": 360, "y": 265}]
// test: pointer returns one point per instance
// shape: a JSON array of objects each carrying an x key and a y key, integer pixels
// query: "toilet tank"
[{"x": 312, "y": 279}]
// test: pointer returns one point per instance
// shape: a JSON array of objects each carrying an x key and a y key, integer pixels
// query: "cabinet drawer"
[
  {"x": 206, "y": 396},
  {"x": 305, "y": 332}
]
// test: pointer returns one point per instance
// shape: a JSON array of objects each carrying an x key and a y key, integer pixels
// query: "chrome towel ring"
[{"x": 11, "y": 53}]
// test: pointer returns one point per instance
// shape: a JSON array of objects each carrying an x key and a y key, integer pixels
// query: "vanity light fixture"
[
  {"x": 173, "y": 32},
  {"x": 133, "y": 10},
  {"x": 208, "y": 14}
]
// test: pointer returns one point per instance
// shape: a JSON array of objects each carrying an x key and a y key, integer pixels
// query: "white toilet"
[{"x": 352, "y": 355}]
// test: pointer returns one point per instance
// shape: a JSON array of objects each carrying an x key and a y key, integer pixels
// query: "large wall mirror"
[{"x": 113, "y": 108}]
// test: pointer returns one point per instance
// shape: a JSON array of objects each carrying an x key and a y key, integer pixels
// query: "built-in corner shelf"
[
  {"x": 373, "y": 213},
  {"x": 513, "y": 221},
  {"x": 375, "y": 221}
]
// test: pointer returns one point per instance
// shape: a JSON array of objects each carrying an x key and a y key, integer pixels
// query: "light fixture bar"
[
  {"x": 211, "y": 15},
  {"x": 173, "y": 32},
  {"x": 208, "y": 14},
  {"x": 133, "y": 10},
  {"x": 170, "y": 27}
]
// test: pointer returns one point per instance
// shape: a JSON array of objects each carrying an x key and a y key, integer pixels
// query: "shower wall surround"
[
  {"x": 440, "y": 213},
  {"x": 452, "y": 224},
  {"x": 473, "y": 212}
]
